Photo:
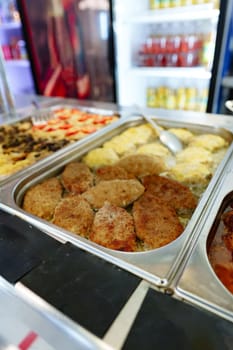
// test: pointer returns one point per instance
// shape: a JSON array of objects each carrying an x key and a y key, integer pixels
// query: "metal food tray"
[
  {"x": 198, "y": 283},
  {"x": 90, "y": 108},
  {"x": 158, "y": 266},
  {"x": 25, "y": 115}
]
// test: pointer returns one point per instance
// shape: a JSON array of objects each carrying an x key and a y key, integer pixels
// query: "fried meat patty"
[
  {"x": 156, "y": 222},
  {"x": 77, "y": 177},
  {"x": 113, "y": 227},
  {"x": 118, "y": 192},
  {"x": 111, "y": 172},
  {"x": 41, "y": 199},
  {"x": 74, "y": 214},
  {"x": 142, "y": 164},
  {"x": 177, "y": 195}
]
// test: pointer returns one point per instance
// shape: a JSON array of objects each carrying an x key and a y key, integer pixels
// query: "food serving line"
[{"x": 71, "y": 293}]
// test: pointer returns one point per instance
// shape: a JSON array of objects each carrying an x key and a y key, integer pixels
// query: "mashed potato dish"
[{"x": 193, "y": 166}]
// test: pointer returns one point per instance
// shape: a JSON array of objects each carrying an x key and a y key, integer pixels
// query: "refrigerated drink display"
[
  {"x": 165, "y": 49},
  {"x": 176, "y": 46},
  {"x": 178, "y": 96},
  {"x": 155, "y": 4},
  {"x": 14, "y": 50}
]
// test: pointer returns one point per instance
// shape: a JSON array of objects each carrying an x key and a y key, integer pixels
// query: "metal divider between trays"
[
  {"x": 181, "y": 287},
  {"x": 212, "y": 191}
]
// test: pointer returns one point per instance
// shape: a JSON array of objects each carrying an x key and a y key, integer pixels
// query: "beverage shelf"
[
  {"x": 150, "y": 17},
  {"x": 17, "y": 63},
  {"x": 10, "y": 25},
  {"x": 176, "y": 72},
  {"x": 185, "y": 13}
]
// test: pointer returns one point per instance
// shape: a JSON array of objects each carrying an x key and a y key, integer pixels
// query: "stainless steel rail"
[{"x": 25, "y": 313}]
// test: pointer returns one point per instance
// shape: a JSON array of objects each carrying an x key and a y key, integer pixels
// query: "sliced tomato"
[
  {"x": 89, "y": 130},
  {"x": 102, "y": 120},
  {"x": 63, "y": 117},
  {"x": 39, "y": 127},
  {"x": 72, "y": 132},
  {"x": 84, "y": 117},
  {"x": 65, "y": 126},
  {"x": 50, "y": 129}
]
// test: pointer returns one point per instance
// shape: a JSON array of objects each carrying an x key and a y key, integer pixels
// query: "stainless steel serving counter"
[
  {"x": 29, "y": 322},
  {"x": 55, "y": 294}
]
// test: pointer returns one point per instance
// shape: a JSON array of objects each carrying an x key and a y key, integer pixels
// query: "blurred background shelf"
[
  {"x": 162, "y": 53},
  {"x": 192, "y": 73},
  {"x": 188, "y": 13},
  {"x": 18, "y": 63},
  {"x": 10, "y": 25}
]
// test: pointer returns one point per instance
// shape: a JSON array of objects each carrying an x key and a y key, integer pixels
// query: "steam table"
[{"x": 58, "y": 296}]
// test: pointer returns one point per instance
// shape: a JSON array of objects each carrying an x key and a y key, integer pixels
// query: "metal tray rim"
[{"x": 56, "y": 161}]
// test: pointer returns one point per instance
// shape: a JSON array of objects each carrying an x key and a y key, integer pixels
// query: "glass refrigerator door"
[
  {"x": 69, "y": 42},
  {"x": 165, "y": 52}
]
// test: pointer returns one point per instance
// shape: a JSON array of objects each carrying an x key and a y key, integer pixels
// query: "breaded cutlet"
[
  {"x": 156, "y": 222},
  {"x": 174, "y": 193},
  {"x": 77, "y": 177},
  {"x": 142, "y": 164},
  {"x": 111, "y": 172},
  {"x": 113, "y": 228},
  {"x": 118, "y": 192},
  {"x": 41, "y": 199},
  {"x": 74, "y": 214}
]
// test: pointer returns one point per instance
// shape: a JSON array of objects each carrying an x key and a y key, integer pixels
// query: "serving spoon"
[{"x": 167, "y": 138}]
